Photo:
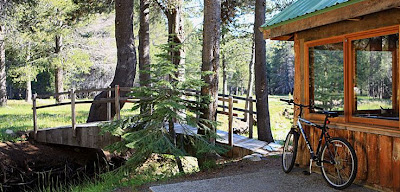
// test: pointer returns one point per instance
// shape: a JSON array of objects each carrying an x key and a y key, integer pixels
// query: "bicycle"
[{"x": 337, "y": 159}]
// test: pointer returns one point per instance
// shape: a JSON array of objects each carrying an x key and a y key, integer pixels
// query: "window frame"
[
  {"x": 352, "y": 69},
  {"x": 349, "y": 76},
  {"x": 307, "y": 46}
]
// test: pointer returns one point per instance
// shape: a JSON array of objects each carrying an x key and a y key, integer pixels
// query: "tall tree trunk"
[
  {"x": 260, "y": 68},
  {"x": 176, "y": 36},
  {"x": 126, "y": 54},
  {"x": 144, "y": 46},
  {"x": 59, "y": 72},
  {"x": 224, "y": 78},
  {"x": 210, "y": 55},
  {"x": 28, "y": 92},
  {"x": 250, "y": 85},
  {"x": 3, "y": 76}
]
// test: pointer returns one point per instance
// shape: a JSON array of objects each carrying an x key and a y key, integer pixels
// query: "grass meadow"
[{"x": 17, "y": 116}]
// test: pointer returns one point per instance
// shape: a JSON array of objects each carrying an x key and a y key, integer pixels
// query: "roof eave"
[
  {"x": 337, "y": 6},
  {"x": 327, "y": 16}
]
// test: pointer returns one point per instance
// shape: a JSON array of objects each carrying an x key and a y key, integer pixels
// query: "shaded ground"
[
  {"x": 265, "y": 175},
  {"x": 25, "y": 166}
]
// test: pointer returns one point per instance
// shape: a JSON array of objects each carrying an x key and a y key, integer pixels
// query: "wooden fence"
[{"x": 117, "y": 99}]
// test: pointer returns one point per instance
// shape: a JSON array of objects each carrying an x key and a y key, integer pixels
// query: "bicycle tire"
[
  {"x": 339, "y": 168},
  {"x": 290, "y": 151}
]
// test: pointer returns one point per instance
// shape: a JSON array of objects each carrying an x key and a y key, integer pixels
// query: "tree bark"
[
  {"x": 176, "y": 36},
  {"x": 126, "y": 63},
  {"x": 28, "y": 92},
  {"x": 59, "y": 72},
  {"x": 144, "y": 47},
  {"x": 260, "y": 68},
  {"x": 3, "y": 76},
  {"x": 224, "y": 78},
  {"x": 251, "y": 79},
  {"x": 144, "y": 43},
  {"x": 210, "y": 55}
]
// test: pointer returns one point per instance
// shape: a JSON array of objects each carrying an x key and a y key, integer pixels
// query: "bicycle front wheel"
[
  {"x": 338, "y": 163},
  {"x": 289, "y": 151}
]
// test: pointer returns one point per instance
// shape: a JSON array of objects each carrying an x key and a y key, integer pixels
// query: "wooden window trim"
[
  {"x": 307, "y": 45},
  {"x": 349, "y": 74},
  {"x": 351, "y": 69}
]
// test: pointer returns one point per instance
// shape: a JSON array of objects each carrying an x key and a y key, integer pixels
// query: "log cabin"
[{"x": 347, "y": 60}]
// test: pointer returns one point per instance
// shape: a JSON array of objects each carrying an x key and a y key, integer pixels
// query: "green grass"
[
  {"x": 17, "y": 116},
  {"x": 280, "y": 125},
  {"x": 370, "y": 103}
]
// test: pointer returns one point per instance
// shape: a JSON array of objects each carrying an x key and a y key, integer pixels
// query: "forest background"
[{"x": 87, "y": 49}]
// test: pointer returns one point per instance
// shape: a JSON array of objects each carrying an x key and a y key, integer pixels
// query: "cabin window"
[
  {"x": 375, "y": 77},
  {"x": 326, "y": 80},
  {"x": 356, "y": 75}
]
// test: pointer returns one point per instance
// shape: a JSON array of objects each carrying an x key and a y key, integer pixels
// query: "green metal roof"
[{"x": 306, "y": 8}]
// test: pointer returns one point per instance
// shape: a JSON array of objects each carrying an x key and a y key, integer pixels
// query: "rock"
[
  {"x": 252, "y": 158},
  {"x": 9, "y": 132},
  {"x": 268, "y": 148},
  {"x": 275, "y": 145},
  {"x": 257, "y": 154}
]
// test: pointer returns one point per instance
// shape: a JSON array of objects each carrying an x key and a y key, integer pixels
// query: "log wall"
[
  {"x": 377, "y": 147},
  {"x": 378, "y": 156}
]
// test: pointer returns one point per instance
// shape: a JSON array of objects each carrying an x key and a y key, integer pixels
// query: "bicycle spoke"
[{"x": 340, "y": 171}]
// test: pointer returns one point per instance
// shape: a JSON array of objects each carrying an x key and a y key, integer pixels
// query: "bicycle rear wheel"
[
  {"x": 289, "y": 151},
  {"x": 338, "y": 163}
]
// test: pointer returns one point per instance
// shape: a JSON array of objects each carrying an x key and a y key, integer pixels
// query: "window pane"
[
  {"x": 326, "y": 76},
  {"x": 374, "y": 83}
]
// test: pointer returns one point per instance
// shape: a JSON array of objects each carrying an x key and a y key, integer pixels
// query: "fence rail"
[{"x": 231, "y": 100}]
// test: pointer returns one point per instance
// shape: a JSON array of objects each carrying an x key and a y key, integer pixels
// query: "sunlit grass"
[
  {"x": 18, "y": 116},
  {"x": 280, "y": 125},
  {"x": 370, "y": 103}
]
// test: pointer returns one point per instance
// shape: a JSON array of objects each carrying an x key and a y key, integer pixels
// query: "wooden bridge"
[{"x": 88, "y": 134}]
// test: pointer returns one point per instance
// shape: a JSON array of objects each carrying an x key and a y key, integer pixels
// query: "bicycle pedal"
[{"x": 306, "y": 173}]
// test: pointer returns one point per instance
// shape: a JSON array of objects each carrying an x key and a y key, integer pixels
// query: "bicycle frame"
[{"x": 324, "y": 134}]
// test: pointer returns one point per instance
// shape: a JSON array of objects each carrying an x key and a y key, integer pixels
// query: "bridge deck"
[{"x": 87, "y": 135}]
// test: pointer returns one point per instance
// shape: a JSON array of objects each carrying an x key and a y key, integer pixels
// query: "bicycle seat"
[{"x": 331, "y": 114}]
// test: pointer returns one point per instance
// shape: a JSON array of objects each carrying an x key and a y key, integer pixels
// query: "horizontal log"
[
  {"x": 237, "y": 97},
  {"x": 237, "y": 109},
  {"x": 52, "y": 95},
  {"x": 63, "y": 103},
  {"x": 93, "y": 90},
  {"x": 227, "y": 100},
  {"x": 227, "y": 113},
  {"x": 126, "y": 89}
]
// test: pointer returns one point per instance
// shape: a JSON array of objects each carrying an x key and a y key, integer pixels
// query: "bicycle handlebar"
[{"x": 308, "y": 106}]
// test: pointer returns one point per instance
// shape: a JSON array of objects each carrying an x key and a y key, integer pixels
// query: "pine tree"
[{"x": 147, "y": 132}]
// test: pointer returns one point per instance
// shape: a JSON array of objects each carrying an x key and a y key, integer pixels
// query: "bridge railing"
[
  {"x": 73, "y": 96},
  {"x": 233, "y": 111},
  {"x": 231, "y": 100}
]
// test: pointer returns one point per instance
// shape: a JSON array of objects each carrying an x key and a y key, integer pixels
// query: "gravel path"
[{"x": 270, "y": 179}]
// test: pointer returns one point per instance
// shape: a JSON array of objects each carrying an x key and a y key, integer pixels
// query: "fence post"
[
  {"x": 117, "y": 107},
  {"x": 35, "y": 128},
  {"x": 73, "y": 115},
  {"x": 109, "y": 103},
  {"x": 230, "y": 119},
  {"x": 251, "y": 119}
]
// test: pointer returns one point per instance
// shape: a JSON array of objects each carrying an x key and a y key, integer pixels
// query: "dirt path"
[{"x": 265, "y": 175}]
